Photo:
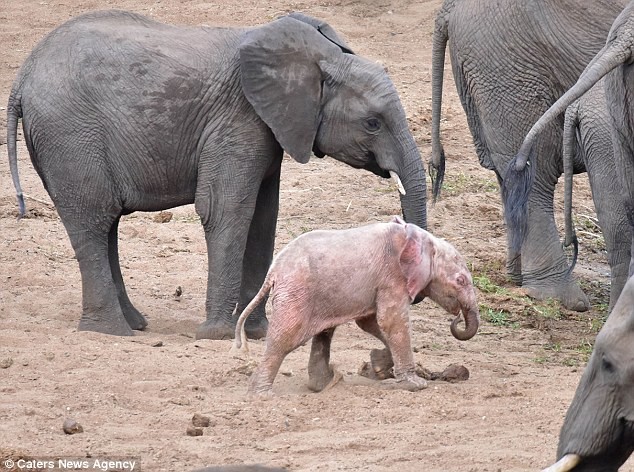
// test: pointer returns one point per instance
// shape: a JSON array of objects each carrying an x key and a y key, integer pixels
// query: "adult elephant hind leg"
[
  {"x": 259, "y": 252},
  {"x": 320, "y": 373},
  {"x": 544, "y": 267},
  {"x": 101, "y": 310},
  {"x": 134, "y": 318}
]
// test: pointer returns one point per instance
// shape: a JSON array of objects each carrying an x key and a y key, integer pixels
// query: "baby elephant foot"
[
  {"x": 324, "y": 379},
  {"x": 409, "y": 382}
]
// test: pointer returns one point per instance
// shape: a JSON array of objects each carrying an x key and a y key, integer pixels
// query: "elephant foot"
[
  {"x": 319, "y": 377},
  {"x": 256, "y": 327},
  {"x": 134, "y": 318},
  {"x": 115, "y": 325},
  {"x": 216, "y": 329},
  {"x": 410, "y": 382},
  {"x": 568, "y": 293}
]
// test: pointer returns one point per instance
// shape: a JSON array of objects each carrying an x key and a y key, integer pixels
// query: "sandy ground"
[{"x": 135, "y": 397}]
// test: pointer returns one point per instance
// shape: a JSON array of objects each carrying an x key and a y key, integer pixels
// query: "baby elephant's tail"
[{"x": 240, "y": 341}]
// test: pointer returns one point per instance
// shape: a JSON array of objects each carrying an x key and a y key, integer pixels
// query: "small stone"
[
  {"x": 163, "y": 217},
  {"x": 193, "y": 431},
  {"x": 6, "y": 363},
  {"x": 200, "y": 421},
  {"x": 72, "y": 427},
  {"x": 157, "y": 344}
]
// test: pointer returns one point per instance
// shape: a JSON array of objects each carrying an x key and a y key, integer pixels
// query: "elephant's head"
[
  {"x": 435, "y": 269},
  {"x": 318, "y": 97},
  {"x": 598, "y": 432}
]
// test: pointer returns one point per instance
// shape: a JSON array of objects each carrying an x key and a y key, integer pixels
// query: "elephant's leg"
[
  {"x": 287, "y": 330},
  {"x": 101, "y": 310},
  {"x": 381, "y": 360},
  {"x": 320, "y": 373},
  {"x": 393, "y": 321},
  {"x": 544, "y": 265},
  {"x": 226, "y": 199},
  {"x": 259, "y": 253},
  {"x": 134, "y": 318},
  {"x": 612, "y": 218}
]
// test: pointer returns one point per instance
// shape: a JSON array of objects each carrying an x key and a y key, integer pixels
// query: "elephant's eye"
[
  {"x": 373, "y": 124},
  {"x": 607, "y": 365}
]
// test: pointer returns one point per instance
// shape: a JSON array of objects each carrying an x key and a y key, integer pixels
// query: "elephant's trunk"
[
  {"x": 412, "y": 175},
  {"x": 472, "y": 323}
]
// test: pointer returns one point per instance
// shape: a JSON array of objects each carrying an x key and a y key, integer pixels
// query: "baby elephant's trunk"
[{"x": 472, "y": 322}]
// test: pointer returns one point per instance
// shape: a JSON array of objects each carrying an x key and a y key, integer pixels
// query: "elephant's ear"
[
  {"x": 282, "y": 80},
  {"x": 325, "y": 29},
  {"x": 415, "y": 260}
]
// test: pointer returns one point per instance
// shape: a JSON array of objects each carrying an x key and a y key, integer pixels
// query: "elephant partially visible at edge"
[
  {"x": 587, "y": 146},
  {"x": 121, "y": 113},
  {"x": 512, "y": 59}
]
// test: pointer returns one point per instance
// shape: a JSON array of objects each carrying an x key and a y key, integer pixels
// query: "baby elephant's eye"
[
  {"x": 462, "y": 280},
  {"x": 373, "y": 124}
]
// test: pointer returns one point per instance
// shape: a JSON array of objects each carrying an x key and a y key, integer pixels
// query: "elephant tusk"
[
  {"x": 399, "y": 184},
  {"x": 565, "y": 464}
]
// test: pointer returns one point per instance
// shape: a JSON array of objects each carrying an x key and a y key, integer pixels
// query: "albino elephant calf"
[{"x": 371, "y": 275}]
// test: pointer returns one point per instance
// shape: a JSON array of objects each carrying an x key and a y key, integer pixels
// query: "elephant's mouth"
[{"x": 608, "y": 460}]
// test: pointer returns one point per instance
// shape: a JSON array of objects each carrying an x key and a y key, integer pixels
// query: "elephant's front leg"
[
  {"x": 226, "y": 210},
  {"x": 259, "y": 252},
  {"x": 393, "y": 321},
  {"x": 381, "y": 362}
]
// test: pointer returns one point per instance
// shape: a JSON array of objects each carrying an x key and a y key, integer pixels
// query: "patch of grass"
[
  {"x": 497, "y": 317},
  {"x": 585, "y": 348},
  {"x": 486, "y": 285},
  {"x": 549, "y": 309},
  {"x": 459, "y": 182}
]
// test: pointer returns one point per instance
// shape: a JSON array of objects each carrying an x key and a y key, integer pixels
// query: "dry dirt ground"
[{"x": 135, "y": 397}]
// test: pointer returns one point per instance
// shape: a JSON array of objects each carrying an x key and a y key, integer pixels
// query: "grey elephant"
[
  {"x": 598, "y": 432},
  {"x": 587, "y": 145},
  {"x": 613, "y": 62},
  {"x": 511, "y": 60},
  {"x": 122, "y": 113},
  {"x": 370, "y": 274}
]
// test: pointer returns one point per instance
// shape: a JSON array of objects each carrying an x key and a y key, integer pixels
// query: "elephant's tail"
[
  {"x": 520, "y": 174},
  {"x": 240, "y": 341},
  {"x": 14, "y": 112},
  {"x": 571, "y": 123},
  {"x": 439, "y": 46}
]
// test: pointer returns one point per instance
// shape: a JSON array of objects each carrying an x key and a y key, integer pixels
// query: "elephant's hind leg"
[
  {"x": 320, "y": 372},
  {"x": 134, "y": 318},
  {"x": 101, "y": 309}
]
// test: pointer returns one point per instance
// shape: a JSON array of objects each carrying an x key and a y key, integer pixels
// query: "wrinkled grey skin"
[
  {"x": 614, "y": 62},
  {"x": 599, "y": 425},
  {"x": 122, "y": 114},
  {"x": 371, "y": 274},
  {"x": 511, "y": 60},
  {"x": 587, "y": 145}
]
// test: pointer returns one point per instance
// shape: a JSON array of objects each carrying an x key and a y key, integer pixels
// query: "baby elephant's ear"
[{"x": 415, "y": 260}]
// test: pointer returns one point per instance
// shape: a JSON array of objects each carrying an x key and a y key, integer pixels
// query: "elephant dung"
[
  {"x": 200, "y": 421},
  {"x": 193, "y": 431},
  {"x": 71, "y": 426}
]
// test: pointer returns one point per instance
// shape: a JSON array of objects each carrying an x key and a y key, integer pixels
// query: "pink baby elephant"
[{"x": 371, "y": 274}]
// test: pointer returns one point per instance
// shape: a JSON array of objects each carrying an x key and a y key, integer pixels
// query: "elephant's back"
[{"x": 513, "y": 58}]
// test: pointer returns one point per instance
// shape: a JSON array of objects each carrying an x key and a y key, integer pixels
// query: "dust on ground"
[{"x": 136, "y": 396}]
